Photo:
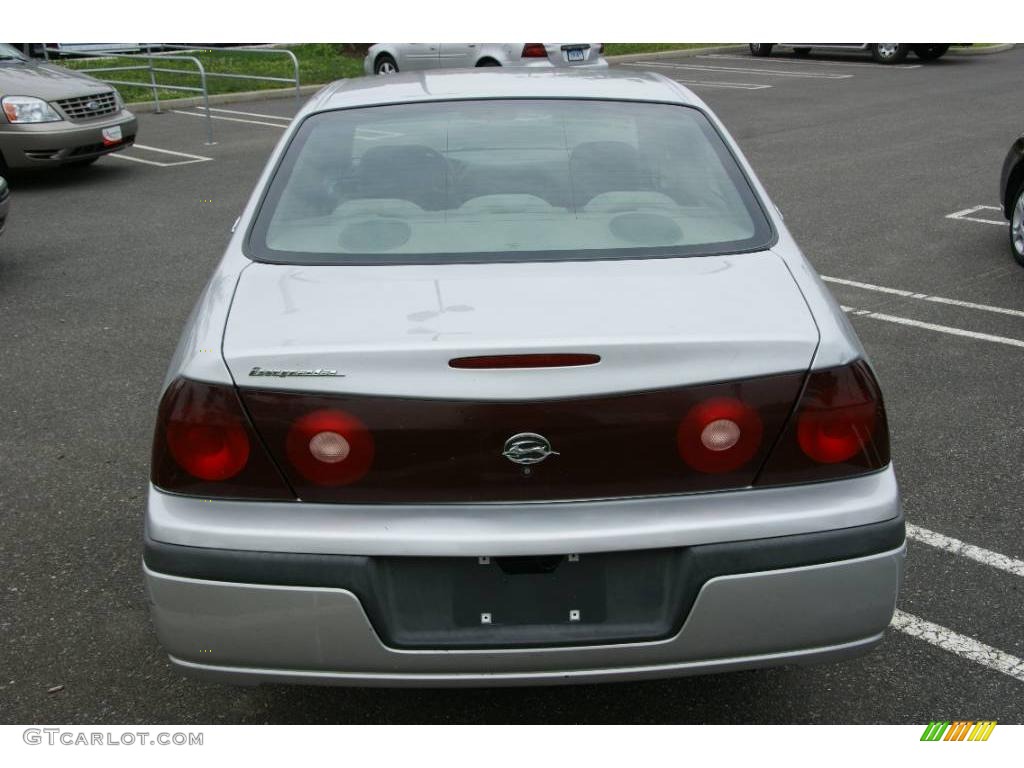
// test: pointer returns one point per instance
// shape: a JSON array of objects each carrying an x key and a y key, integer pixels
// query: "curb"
[
  {"x": 677, "y": 53},
  {"x": 224, "y": 98},
  {"x": 1001, "y": 48}
]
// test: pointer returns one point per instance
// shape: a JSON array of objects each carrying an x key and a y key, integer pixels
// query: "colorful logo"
[{"x": 958, "y": 730}]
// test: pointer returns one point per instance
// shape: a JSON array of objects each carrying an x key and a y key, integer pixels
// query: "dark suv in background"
[{"x": 883, "y": 53}]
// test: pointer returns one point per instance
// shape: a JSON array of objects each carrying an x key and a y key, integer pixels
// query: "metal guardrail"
[
  {"x": 252, "y": 50},
  {"x": 151, "y": 57}
]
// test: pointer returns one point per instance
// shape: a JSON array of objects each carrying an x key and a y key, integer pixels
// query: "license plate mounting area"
[{"x": 551, "y": 600}]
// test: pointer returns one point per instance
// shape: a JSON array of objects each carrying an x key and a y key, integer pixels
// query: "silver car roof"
[{"x": 513, "y": 83}]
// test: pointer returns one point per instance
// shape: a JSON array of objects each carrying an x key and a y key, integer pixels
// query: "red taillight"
[
  {"x": 838, "y": 433},
  {"x": 330, "y": 447},
  {"x": 534, "y": 51},
  {"x": 208, "y": 451},
  {"x": 719, "y": 435},
  {"x": 839, "y": 429},
  {"x": 204, "y": 445}
]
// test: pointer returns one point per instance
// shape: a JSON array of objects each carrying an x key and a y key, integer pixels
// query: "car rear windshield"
[{"x": 506, "y": 180}]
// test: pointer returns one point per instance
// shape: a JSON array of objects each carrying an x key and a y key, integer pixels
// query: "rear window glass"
[{"x": 506, "y": 180}]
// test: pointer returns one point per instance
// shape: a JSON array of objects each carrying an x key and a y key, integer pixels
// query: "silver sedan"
[
  {"x": 389, "y": 58},
  {"x": 509, "y": 378}
]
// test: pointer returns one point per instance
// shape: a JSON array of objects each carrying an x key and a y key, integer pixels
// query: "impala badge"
[
  {"x": 527, "y": 448},
  {"x": 257, "y": 371}
]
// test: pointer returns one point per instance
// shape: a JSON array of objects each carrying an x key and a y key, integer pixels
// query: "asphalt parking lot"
[{"x": 886, "y": 175}]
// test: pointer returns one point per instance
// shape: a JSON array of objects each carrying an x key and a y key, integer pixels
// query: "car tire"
[
  {"x": 385, "y": 65},
  {"x": 761, "y": 49},
  {"x": 930, "y": 51},
  {"x": 802, "y": 52},
  {"x": 488, "y": 63},
  {"x": 889, "y": 53},
  {"x": 1017, "y": 226}
]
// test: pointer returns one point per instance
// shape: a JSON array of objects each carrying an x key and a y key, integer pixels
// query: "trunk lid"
[
  {"x": 392, "y": 330},
  {"x": 363, "y": 406}
]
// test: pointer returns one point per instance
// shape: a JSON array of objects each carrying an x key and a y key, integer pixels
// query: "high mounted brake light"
[{"x": 543, "y": 360}]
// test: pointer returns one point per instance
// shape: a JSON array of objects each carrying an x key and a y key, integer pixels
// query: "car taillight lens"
[
  {"x": 719, "y": 435},
  {"x": 346, "y": 448},
  {"x": 330, "y": 447},
  {"x": 839, "y": 429},
  {"x": 204, "y": 445},
  {"x": 208, "y": 451},
  {"x": 534, "y": 51}
]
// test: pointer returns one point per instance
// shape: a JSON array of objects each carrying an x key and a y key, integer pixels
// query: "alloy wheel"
[{"x": 1017, "y": 226}]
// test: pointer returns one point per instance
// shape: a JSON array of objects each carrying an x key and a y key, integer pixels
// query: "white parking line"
[
  {"x": 816, "y": 62},
  {"x": 189, "y": 161},
  {"x": 942, "y": 637},
  {"x": 924, "y": 297},
  {"x": 965, "y": 215},
  {"x": 710, "y": 84},
  {"x": 961, "y": 645},
  {"x": 957, "y": 547},
  {"x": 230, "y": 119},
  {"x": 935, "y": 327},
  {"x": 743, "y": 70},
  {"x": 250, "y": 114}
]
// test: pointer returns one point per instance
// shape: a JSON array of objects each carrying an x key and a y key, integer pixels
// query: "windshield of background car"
[
  {"x": 10, "y": 52},
  {"x": 506, "y": 180}
]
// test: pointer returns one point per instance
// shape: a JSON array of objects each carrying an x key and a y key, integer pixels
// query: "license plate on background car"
[
  {"x": 574, "y": 54},
  {"x": 112, "y": 135}
]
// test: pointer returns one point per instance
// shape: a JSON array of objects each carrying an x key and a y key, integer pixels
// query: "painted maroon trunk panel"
[{"x": 428, "y": 451}]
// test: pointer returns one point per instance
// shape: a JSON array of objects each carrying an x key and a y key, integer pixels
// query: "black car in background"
[
  {"x": 1011, "y": 194},
  {"x": 883, "y": 53}
]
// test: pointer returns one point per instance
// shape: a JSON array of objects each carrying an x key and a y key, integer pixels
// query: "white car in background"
[{"x": 389, "y": 58}]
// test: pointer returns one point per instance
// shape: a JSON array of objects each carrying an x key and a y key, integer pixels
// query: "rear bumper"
[
  {"x": 527, "y": 528},
  {"x": 754, "y": 613},
  {"x": 36, "y": 145}
]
